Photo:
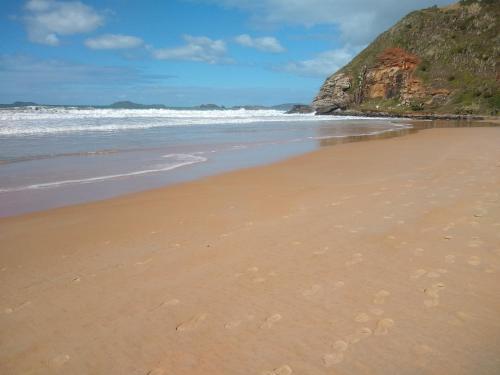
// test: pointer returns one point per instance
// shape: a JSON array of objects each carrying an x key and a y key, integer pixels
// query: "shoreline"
[
  {"x": 368, "y": 258},
  {"x": 405, "y": 128}
]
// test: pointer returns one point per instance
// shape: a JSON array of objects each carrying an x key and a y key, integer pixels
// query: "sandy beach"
[{"x": 379, "y": 257}]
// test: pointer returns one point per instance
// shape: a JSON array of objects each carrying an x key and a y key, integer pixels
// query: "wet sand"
[{"x": 377, "y": 257}]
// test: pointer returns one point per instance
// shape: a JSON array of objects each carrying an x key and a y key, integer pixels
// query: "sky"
[{"x": 183, "y": 52}]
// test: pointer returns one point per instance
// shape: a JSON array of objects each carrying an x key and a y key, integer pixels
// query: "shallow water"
[{"x": 52, "y": 157}]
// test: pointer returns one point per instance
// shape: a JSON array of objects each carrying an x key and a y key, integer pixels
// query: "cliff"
[{"x": 435, "y": 60}]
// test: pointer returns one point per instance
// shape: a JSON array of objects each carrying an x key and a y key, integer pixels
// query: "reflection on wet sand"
[{"x": 328, "y": 136}]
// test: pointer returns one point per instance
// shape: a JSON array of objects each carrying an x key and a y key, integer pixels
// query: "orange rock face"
[{"x": 392, "y": 77}]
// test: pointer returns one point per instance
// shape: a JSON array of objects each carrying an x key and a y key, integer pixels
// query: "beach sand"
[{"x": 378, "y": 257}]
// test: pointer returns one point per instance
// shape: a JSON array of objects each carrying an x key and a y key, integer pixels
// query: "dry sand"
[{"x": 377, "y": 257}]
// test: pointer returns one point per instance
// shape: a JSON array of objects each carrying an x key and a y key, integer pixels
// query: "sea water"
[{"x": 55, "y": 156}]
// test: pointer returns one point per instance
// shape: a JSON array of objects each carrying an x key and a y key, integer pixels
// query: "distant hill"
[
  {"x": 435, "y": 60},
  {"x": 18, "y": 104},
  {"x": 132, "y": 105}
]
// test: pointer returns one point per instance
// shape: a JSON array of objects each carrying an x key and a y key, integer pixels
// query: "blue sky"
[{"x": 185, "y": 52}]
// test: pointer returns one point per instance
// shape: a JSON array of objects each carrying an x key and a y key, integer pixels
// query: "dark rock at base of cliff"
[
  {"x": 413, "y": 116},
  {"x": 329, "y": 110},
  {"x": 300, "y": 108}
]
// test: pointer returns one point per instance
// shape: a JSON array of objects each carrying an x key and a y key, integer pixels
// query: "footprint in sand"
[
  {"x": 17, "y": 308},
  {"x": 337, "y": 356},
  {"x": 312, "y": 290},
  {"x": 383, "y": 326},
  {"x": 380, "y": 297},
  {"x": 168, "y": 303},
  {"x": 459, "y": 318},
  {"x": 322, "y": 251},
  {"x": 475, "y": 242},
  {"x": 490, "y": 269},
  {"x": 192, "y": 323},
  {"x": 450, "y": 259},
  {"x": 338, "y": 284},
  {"x": 59, "y": 360},
  {"x": 433, "y": 294},
  {"x": 474, "y": 261},
  {"x": 171, "y": 302},
  {"x": 417, "y": 274},
  {"x": 356, "y": 258},
  {"x": 259, "y": 280},
  {"x": 143, "y": 262},
  {"x": 360, "y": 334},
  {"x": 233, "y": 324},
  {"x": 376, "y": 311},
  {"x": 433, "y": 274},
  {"x": 418, "y": 252},
  {"x": 449, "y": 226},
  {"x": 270, "y": 321},
  {"x": 480, "y": 213},
  {"x": 362, "y": 318},
  {"x": 282, "y": 370}
]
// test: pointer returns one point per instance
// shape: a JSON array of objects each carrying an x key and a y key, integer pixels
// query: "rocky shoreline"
[{"x": 413, "y": 116}]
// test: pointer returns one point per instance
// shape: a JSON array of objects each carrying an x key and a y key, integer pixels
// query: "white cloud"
[
  {"x": 323, "y": 64},
  {"x": 359, "y": 21},
  {"x": 197, "y": 48},
  {"x": 265, "y": 44},
  {"x": 114, "y": 41},
  {"x": 47, "y": 20}
]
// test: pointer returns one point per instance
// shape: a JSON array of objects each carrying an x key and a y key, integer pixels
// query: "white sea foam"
[
  {"x": 29, "y": 121},
  {"x": 176, "y": 161}
]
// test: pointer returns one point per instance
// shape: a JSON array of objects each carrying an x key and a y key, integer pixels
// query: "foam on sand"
[{"x": 176, "y": 161}]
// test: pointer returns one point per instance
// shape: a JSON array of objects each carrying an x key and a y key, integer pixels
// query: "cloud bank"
[
  {"x": 47, "y": 20},
  {"x": 359, "y": 21},
  {"x": 197, "y": 48}
]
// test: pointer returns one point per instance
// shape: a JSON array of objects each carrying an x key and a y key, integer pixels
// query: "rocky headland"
[{"x": 435, "y": 62}]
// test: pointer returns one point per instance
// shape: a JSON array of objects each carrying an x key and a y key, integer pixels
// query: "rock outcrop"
[
  {"x": 334, "y": 94},
  {"x": 437, "y": 60},
  {"x": 300, "y": 108}
]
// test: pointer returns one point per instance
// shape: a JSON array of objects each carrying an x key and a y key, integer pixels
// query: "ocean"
[{"x": 56, "y": 156}]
